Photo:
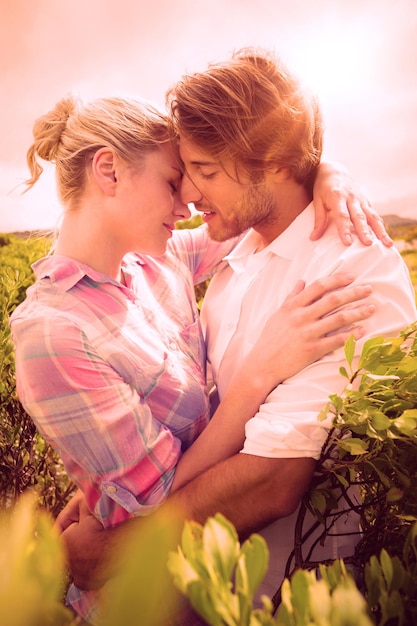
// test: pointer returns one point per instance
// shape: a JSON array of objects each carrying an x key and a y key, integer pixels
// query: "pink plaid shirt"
[{"x": 114, "y": 376}]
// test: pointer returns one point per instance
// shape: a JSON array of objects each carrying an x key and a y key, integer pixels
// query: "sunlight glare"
[{"x": 337, "y": 64}]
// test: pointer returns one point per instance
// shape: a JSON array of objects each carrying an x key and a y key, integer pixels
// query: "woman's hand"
[{"x": 335, "y": 197}]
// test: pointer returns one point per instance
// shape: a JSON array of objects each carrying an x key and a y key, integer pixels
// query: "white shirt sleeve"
[{"x": 287, "y": 423}]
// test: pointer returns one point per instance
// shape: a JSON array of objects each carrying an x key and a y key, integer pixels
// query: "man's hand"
[
  {"x": 95, "y": 554},
  {"x": 71, "y": 512},
  {"x": 336, "y": 197}
]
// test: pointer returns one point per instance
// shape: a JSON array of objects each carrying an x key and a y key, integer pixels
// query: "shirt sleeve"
[
  {"x": 112, "y": 447},
  {"x": 287, "y": 423}
]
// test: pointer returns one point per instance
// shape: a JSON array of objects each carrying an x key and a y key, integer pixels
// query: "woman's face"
[{"x": 150, "y": 203}]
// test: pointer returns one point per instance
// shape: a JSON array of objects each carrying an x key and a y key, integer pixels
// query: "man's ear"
[
  {"x": 104, "y": 170},
  {"x": 279, "y": 173}
]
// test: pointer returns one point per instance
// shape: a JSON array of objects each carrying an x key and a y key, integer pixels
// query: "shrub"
[{"x": 26, "y": 460}]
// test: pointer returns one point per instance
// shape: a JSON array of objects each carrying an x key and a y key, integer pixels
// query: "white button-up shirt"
[{"x": 242, "y": 297}]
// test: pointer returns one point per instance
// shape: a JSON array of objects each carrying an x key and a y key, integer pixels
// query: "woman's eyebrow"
[{"x": 202, "y": 163}]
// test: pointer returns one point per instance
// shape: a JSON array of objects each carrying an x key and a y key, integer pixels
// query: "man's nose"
[{"x": 189, "y": 192}]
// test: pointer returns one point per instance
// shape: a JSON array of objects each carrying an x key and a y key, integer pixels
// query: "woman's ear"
[{"x": 104, "y": 170}]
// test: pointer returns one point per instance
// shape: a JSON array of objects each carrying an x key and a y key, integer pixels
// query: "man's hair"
[{"x": 253, "y": 110}]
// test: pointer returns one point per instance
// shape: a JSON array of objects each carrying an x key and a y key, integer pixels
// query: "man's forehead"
[{"x": 192, "y": 154}]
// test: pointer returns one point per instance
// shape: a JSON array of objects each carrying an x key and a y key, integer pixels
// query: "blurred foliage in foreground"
[
  {"x": 218, "y": 575},
  {"x": 32, "y": 574},
  {"x": 221, "y": 577}
]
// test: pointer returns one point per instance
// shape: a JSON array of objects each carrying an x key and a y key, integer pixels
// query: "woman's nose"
[{"x": 180, "y": 209}]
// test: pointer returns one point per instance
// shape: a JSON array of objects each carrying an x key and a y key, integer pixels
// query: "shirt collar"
[
  {"x": 68, "y": 272},
  {"x": 285, "y": 245}
]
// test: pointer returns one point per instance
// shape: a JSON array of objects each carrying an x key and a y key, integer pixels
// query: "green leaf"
[
  {"x": 350, "y": 350},
  {"x": 203, "y": 604},
  {"x": 395, "y": 494},
  {"x": 318, "y": 500},
  {"x": 32, "y": 567},
  {"x": 252, "y": 565},
  {"x": 354, "y": 446},
  {"x": 341, "y": 479},
  {"x": 349, "y": 607},
  {"x": 343, "y": 372},
  {"x": 300, "y": 583},
  {"x": 380, "y": 421},
  {"x": 221, "y": 546},
  {"x": 387, "y": 568},
  {"x": 392, "y": 608},
  {"x": 407, "y": 423},
  {"x": 320, "y": 602},
  {"x": 138, "y": 590},
  {"x": 182, "y": 571},
  {"x": 192, "y": 539}
]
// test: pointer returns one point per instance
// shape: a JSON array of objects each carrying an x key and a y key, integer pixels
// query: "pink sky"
[{"x": 359, "y": 55}]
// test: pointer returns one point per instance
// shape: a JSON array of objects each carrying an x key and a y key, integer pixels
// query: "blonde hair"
[
  {"x": 253, "y": 110},
  {"x": 72, "y": 132}
]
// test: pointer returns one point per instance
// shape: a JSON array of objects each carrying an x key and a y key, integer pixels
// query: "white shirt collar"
[{"x": 285, "y": 245}]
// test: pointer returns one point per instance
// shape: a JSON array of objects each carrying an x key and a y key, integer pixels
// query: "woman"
[{"x": 110, "y": 359}]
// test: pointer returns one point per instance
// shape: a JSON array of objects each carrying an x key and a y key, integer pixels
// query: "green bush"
[
  {"x": 26, "y": 460},
  {"x": 373, "y": 444}
]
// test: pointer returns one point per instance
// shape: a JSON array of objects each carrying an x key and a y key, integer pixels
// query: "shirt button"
[
  {"x": 172, "y": 345},
  {"x": 110, "y": 489}
]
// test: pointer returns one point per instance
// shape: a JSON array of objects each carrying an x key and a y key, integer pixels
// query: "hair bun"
[{"x": 48, "y": 129}]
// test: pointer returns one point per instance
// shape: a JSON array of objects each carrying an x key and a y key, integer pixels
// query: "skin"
[
  {"x": 124, "y": 208},
  {"x": 229, "y": 206},
  {"x": 348, "y": 206}
]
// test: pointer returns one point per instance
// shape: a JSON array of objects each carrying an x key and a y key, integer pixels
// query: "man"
[{"x": 250, "y": 140}]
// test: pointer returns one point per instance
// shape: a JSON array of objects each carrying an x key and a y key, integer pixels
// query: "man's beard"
[{"x": 256, "y": 207}]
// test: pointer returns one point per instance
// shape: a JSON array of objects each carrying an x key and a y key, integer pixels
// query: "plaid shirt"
[{"x": 114, "y": 376}]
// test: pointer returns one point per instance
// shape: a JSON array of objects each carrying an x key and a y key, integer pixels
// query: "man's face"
[{"x": 229, "y": 207}]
